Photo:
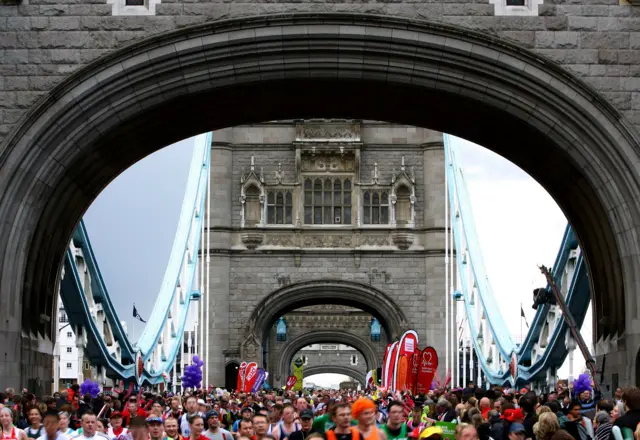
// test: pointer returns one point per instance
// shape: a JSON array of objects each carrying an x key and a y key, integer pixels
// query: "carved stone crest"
[{"x": 327, "y": 241}]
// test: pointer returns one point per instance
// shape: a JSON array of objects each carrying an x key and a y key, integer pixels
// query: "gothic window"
[
  {"x": 375, "y": 208},
  {"x": 252, "y": 206},
  {"x": 327, "y": 201},
  {"x": 403, "y": 206},
  {"x": 279, "y": 207}
]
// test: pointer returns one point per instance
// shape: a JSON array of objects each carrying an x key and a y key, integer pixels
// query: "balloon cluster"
[
  {"x": 89, "y": 387},
  {"x": 192, "y": 377},
  {"x": 581, "y": 384}
]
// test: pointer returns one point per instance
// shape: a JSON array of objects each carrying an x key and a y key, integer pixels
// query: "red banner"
[
  {"x": 240, "y": 382},
  {"x": 291, "y": 381},
  {"x": 250, "y": 376},
  {"x": 385, "y": 360},
  {"x": 406, "y": 347},
  {"x": 402, "y": 373},
  {"x": 414, "y": 367},
  {"x": 428, "y": 367}
]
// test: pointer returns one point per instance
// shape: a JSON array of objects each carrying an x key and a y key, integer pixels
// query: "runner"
[
  {"x": 116, "y": 429},
  {"x": 51, "y": 423},
  {"x": 341, "y": 416},
  {"x": 364, "y": 411},
  {"x": 306, "y": 423},
  {"x": 89, "y": 432},
  {"x": 214, "y": 431},
  {"x": 395, "y": 428},
  {"x": 10, "y": 432},
  {"x": 35, "y": 428},
  {"x": 287, "y": 425}
]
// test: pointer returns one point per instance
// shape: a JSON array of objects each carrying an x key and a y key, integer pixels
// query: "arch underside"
[
  {"x": 336, "y": 369},
  {"x": 327, "y": 291},
  {"x": 130, "y": 103},
  {"x": 329, "y": 336}
]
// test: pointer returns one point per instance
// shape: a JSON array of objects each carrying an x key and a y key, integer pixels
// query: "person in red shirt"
[
  {"x": 133, "y": 409},
  {"x": 196, "y": 427}
]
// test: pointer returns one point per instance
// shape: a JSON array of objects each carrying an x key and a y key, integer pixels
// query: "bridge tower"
[{"x": 327, "y": 224}]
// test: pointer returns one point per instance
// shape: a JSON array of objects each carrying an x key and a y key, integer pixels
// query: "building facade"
[
  {"x": 317, "y": 213},
  {"x": 67, "y": 366}
]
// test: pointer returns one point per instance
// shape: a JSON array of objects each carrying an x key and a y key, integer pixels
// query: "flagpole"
[{"x": 521, "y": 316}]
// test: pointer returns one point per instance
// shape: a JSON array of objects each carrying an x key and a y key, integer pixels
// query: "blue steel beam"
[
  {"x": 577, "y": 298},
  {"x": 179, "y": 282}
]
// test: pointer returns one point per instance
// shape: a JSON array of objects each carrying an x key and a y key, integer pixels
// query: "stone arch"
[
  {"x": 325, "y": 291},
  {"x": 336, "y": 369},
  {"x": 319, "y": 336},
  {"x": 231, "y": 374},
  {"x": 127, "y": 104}
]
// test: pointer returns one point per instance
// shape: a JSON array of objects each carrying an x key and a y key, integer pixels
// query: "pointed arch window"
[
  {"x": 252, "y": 206},
  {"x": 403, "y": 206},
  {"x": 280, "y": 207}
]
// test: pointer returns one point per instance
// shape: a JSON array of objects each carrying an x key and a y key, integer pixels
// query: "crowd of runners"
[{"x": 474, "y": 414}]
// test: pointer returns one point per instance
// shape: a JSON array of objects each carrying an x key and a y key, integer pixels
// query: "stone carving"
[
  {"x": 327, "y": 241},
  {"x": 251, "y": 239},
  {"x": 284, "y": 240},
  {"x": 374, "y": 240},
  {"x": 250, "y": 348},
  {"x": 403, "y": 239},
  {"x": 328, "y": 162},
  {"x": 328, "y": 131}
]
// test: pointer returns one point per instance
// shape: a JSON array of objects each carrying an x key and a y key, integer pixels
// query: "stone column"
[
  {"x": 434, "y": 224},
  {"x": 221, "y": 181}
]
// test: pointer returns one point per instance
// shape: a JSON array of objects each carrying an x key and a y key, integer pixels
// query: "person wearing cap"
[
  {"x": 155, "y": 427},
  {"x": 116, "y": 429},
  {"x": 214, "y": 431},
  {"x": 517, "y": 431},
  {"x": 395, "y": 428},
  {"x": 245, "y": 414},
  {"x": 306, "y": 423},
  {"x": 431, "y": 433},
  {"x": 202, "y": 406}
]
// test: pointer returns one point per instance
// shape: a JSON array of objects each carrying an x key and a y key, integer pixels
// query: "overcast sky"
[{"x": 132, "y": 226}]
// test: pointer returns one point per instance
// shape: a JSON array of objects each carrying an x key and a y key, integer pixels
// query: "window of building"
[
  {"x": 305, "y": 360},
  {"x": 515, "y": 3},
  {"x": 279, "y": 207},
  {"x": 69, "y": 334},
  {"x": 134, "y": 2},
  {"x": 375, "y": 208},
  {"x": 327, "y": 201},
  {"x": 252, "y": 206},
  {"x": 354, "y": 359},
  {"x": 63, "y": 316},
  {"x": 403, "y": 206},
  {"x": 69, "y": 350},
  {"x": 68, "y": 365}
]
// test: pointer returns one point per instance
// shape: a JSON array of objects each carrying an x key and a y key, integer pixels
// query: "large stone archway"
[
  {"x": 332, "y": 336},
  {"x": 323, "y": 291},
  {"x": 115, "y": 111},
  {"x": 329, "y": 369}
]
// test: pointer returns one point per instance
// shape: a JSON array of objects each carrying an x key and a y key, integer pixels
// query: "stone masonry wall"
[{"x": 44, "y": 41}]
